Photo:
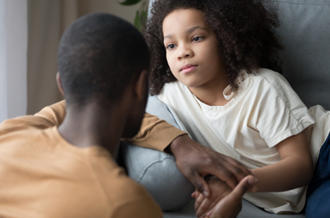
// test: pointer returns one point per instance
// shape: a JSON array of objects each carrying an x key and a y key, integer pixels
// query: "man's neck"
[{"x": 93, "y": 125}]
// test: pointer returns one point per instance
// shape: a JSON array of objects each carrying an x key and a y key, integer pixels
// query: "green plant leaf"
[
  {"x": 129, "y": 2},
  {"x": 137, "y": 21},
  {"x": 143, "y": 16}
]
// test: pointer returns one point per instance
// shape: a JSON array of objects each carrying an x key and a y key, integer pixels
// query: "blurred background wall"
[
  {"x": 13, "y": 58},
  {"x": 47, "y": 19}
]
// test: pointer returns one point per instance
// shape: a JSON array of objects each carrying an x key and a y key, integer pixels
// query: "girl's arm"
[{"x": 294, "y": 170}]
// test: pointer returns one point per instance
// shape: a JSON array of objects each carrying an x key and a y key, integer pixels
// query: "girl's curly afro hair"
[{"x": 245, "y": 30}]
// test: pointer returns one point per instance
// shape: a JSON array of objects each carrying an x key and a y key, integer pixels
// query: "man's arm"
[
  {"x": 196, "y": 161},
  {"x": 193, "y": 160},
  {"x": 48, "y": 117},
  {"x": 155, "y": 133}
]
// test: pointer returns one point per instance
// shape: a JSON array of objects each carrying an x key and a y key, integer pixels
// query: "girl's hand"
[
  {"x": 231, "y": 205},
  {"x": 206, "y": 206},
  {"x": 219, "y": 190}
]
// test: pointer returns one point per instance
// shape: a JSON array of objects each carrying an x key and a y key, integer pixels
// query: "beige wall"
[{"x": 47, "y": 21}]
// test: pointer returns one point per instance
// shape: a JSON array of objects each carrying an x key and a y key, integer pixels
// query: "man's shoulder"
[
  {"x": 25, "y": 143},
  {"x": 12, "y": 133}
]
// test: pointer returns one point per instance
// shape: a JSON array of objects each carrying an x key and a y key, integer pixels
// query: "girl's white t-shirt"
[{"x": 261, "y": 113}]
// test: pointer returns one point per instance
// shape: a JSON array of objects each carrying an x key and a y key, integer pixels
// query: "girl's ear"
[
  {"x": 141, "y": 85},
  {"x": 59, "y": 83}
]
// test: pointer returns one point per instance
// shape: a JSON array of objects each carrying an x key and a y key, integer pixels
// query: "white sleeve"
[{"x": 281, "y": 113}]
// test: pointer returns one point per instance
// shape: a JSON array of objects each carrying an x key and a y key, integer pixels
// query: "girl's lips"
[{"x": 188, "y": 69}]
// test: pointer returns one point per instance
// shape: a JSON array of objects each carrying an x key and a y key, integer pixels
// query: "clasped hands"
[
  {"x": 224, "y": 202},
  {"x": 220, "y": 196}
]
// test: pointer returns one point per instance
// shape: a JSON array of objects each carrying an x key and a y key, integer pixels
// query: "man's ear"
[
  {"x": 59, "y": 83},
  {"x": 141, "y": 85}
]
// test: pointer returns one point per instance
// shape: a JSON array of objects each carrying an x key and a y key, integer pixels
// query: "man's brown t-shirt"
[{"x": 42, "y": 175}]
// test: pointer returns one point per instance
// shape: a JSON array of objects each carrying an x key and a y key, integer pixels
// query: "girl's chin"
[
  {"x": 190, "y": 81},
  {"x": 190, "y": 84}
]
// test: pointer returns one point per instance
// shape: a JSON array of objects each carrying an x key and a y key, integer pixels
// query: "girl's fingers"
[
  {"x": 243, "y": 187},
  {"x": 231, "y": 205},
  {"x": 199, "y": 201},
  {"x": 208, "y": 214},
  {"x": 204, "y": 206},
  {"x": 195, "y": 194}
]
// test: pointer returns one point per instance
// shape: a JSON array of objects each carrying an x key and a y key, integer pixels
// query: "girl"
[{"x": 212, "y": 63}]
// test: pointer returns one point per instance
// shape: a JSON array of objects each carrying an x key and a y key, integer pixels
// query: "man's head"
[{"x": 100, "y": 57}]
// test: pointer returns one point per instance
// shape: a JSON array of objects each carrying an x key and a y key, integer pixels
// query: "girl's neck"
[{"x": 211, "y": 93}]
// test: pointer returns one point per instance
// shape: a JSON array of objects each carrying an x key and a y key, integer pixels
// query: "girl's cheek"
[{"x": 170, "y": 62}]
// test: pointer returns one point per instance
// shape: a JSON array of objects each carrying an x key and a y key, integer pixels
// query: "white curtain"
[{"x": 13, "y": 60}]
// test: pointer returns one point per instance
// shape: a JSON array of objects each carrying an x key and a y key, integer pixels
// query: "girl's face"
[{"x": 192, "y": 48}]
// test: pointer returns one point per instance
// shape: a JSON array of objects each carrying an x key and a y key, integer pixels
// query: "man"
[{"x": 69, "y": 171}]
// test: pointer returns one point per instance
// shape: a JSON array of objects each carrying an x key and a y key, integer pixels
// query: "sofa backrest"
[{"x": 305, "y": 33}]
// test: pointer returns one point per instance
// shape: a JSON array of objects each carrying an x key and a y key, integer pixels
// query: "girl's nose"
[{"x": 185, "y": 52}]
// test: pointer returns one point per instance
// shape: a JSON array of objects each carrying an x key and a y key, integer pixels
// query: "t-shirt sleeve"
[
  {"x": 54, "y": 113},
  {"x": 281, "y": 113},
  {"x": 155, "y": 133},
  {"x": 48, "y": 117},
  {"x": 145, "y": 209}
]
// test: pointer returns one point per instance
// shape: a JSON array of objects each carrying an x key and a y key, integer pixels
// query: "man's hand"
[
  {"x": 196, "y": 161},
  {"x": 231, "y": 205}
]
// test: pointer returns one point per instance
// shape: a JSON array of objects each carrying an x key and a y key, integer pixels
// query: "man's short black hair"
[{"x": 98, "y": 57}]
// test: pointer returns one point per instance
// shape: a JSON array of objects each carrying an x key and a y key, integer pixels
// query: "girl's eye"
[
  {"x": 197, "y": 38},
  {"x": 170, "y": 46}
]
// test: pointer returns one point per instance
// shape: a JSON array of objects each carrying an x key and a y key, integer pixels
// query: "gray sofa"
[{"x": 305, "y": 32}]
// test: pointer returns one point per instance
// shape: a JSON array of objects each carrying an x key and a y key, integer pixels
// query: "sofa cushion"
[
  {"x": 305, "y": 34},
  {"x": 155, "y": 170},
  {"x": 248, "y": 211}
]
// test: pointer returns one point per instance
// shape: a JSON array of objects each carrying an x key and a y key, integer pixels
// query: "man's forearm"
[{"x": 155, "y": 133}]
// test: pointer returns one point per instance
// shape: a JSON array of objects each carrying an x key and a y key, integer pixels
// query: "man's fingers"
[
  {"x": 230, "y": 171},
  {"x": 200, "y": 185},
  {"x": 239, "y": 170},
  {"x": 226, "y": 176},
  {"x": 239, "y": 165}
]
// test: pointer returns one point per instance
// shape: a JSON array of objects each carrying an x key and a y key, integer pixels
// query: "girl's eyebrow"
[{"x": 190, "y": 30}]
